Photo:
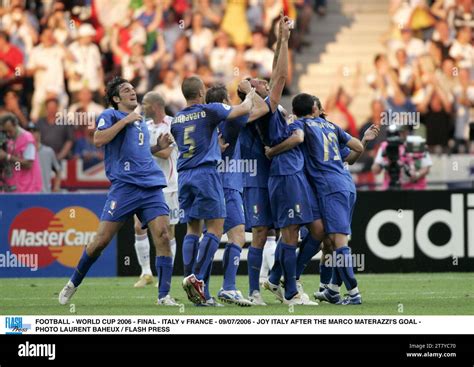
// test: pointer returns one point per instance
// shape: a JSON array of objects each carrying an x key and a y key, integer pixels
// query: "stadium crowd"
[{"x": 55, "y": 56}]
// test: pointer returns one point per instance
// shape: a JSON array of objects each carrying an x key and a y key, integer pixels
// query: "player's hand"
[
  {"x": 164, "y": 140},
  {"x": 244, "y": 86},
  {"x": 222, "y": 144},
  {"x": 268, "y": 152},
  {"x": 371, "y": 133},
  {"x": 250, "y": 96},
  {"x": 286, "y": 24},
  {"x": 132, "y": 117}
]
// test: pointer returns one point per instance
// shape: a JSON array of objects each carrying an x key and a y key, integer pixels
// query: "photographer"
[
  {"x": 19, "y": 162},
  {"x": 404, "y": 159}
]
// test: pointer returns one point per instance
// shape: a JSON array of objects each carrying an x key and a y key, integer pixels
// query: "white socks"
[
  {"x": 173, "y": 248},
  {"x": 142, "y": 248},
  {"x": 268, "y": 257}
]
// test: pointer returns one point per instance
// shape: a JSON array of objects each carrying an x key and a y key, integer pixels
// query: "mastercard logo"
[{"x": 53, "y": 237}]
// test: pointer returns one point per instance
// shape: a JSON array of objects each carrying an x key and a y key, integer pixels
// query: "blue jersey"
[
  {"x": 323, "y": 162},
  {"x": 276, "y": 131},
  {"x": 253, "y": 155},
  {"x": 195, "y": 131},
  {"x": 128, "y": 157},
  {"x": 231, "y": 165}
]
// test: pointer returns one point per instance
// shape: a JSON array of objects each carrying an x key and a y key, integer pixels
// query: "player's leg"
[
  {"x": 142, "y": 249},
  {"x": 173, "y": 203},
  {"x": 338, "y": 213},
  {"x": 287, "y": 259},
  {"x": 159, "y": 227},
  {"x": 105, "y": 233},
  {"x": 268, "y": 254},
  {"x": 171, "y": 232}
]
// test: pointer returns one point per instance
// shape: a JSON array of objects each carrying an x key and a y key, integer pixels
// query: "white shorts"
[{"x": 172, "y": 201}]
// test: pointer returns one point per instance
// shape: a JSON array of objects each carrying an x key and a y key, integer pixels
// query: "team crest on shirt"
[
  {"x": 113, "y": 205},
  {"x": 101, "y": 123},
  {"x": 226, "y": 106}
]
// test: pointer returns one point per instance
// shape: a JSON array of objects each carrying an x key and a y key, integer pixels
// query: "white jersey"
[{"x": 168, "y": 166}]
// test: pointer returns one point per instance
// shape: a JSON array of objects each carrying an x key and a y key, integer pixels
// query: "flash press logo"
[
  {"x": 37, "y": 350},
  {"x": 15, "y": 325}
]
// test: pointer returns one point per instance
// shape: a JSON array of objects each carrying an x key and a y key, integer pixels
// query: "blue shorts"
[
  {"x": 292, "y": 200},
  {"x": 257, "y": 208},
  {"x": 337, "y": 209},
  {"x": 125, "y": 200},
  {"x": 201, "y": 195},
  {"x": 234, "y": 208}
]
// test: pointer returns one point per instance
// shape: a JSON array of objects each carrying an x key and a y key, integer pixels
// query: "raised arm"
[
  {"x": 370, "y": 134},
  {"x": 280, "y": 73},
  {"x": 277, "y": 49}
]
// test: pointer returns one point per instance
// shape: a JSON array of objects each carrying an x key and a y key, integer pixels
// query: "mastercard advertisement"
[{"x": 45, "y": 235}]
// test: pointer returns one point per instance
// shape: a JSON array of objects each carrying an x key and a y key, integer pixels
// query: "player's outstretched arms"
[
  {"x": 244, "y": 108},
  {"x": 102, "y": 137},
  {"x": 370, "y": 134},
  {"x": 291, "y": 142}
]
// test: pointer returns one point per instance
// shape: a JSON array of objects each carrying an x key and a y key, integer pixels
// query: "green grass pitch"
[{"x": 383, "y": 294}]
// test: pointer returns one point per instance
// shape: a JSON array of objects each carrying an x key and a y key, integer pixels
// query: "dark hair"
[
  {"x": 112, "y": 90},
  {"x": 378, "y": 57},
  {"x": 4, "y": 118},
  {"x": 4, "y": 35},
  {"x": 303, "y": 104},
  {"x": 320, "y": 107},
  {"x": 191, "y": 87},
  {"x": 217, "y": 93}
]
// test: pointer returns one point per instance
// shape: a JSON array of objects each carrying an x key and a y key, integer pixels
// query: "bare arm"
[
  {"x": 102, "y": 137},
  {"x": 291, "y": 142},
  {"x": 244, "y": 108},
  {"x": 277, "y": 49},
  {"x": 280, "y": 73},
  {"x": 164, "y": 154},
  {"x": 65, "y": 150},
  {"x": 163, "y": 142},
  {"x": 370, "y": 134}
]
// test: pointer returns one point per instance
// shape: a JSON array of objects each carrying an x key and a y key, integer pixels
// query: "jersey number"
[
  {"x": 141, "y": 138},
  {"x": 331, "y": 140},
  {"x": 189, "y": 141}
]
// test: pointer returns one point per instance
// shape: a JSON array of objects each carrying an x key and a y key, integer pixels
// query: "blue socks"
[
  {"x": 231, "y": 264},
  {"x": 164, "y": 270},
  {"x": 288, "y": 263},
  {"x": 309, "y": 248},
  {"x": 82, "y": 268},
  {"x": 346, "y": 271},
  {"x": 190, "y": 246},
  {"x": 325, "y": 272},
  {"x": 254, "y": 262},
  {"x": 276, "y": 271},
  {"x": 207, "y": 248}
]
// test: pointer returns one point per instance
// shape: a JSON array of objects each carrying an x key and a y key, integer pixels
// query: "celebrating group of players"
[{"x": 300, "y": 185}]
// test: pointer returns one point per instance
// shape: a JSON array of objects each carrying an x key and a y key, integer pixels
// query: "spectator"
[
  {"x": 184, "y": 62},
  {"x": 464, "y": 103},
  {"x": 84, "y": 112},
  {"x": 21, "y": 155},
  {"x": 12, "y": 105},
  {"x": 413, "y": 46},
  {"x": 46, "y": 65},
  {"x": 85, "y": 71},
  {"x": 222, "y": 58},
  {"x": 11, "y": 61},
  {"x": 260, "y": 54},
  {"x": 48, "y": 162},
  {"x": 462, "y": 50},
  {"x": 54, "y": 131},
  {"x": 170, "y": 89},
  {"x": 235, "y": 24},
  {"x": 201, "y": 40}
]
